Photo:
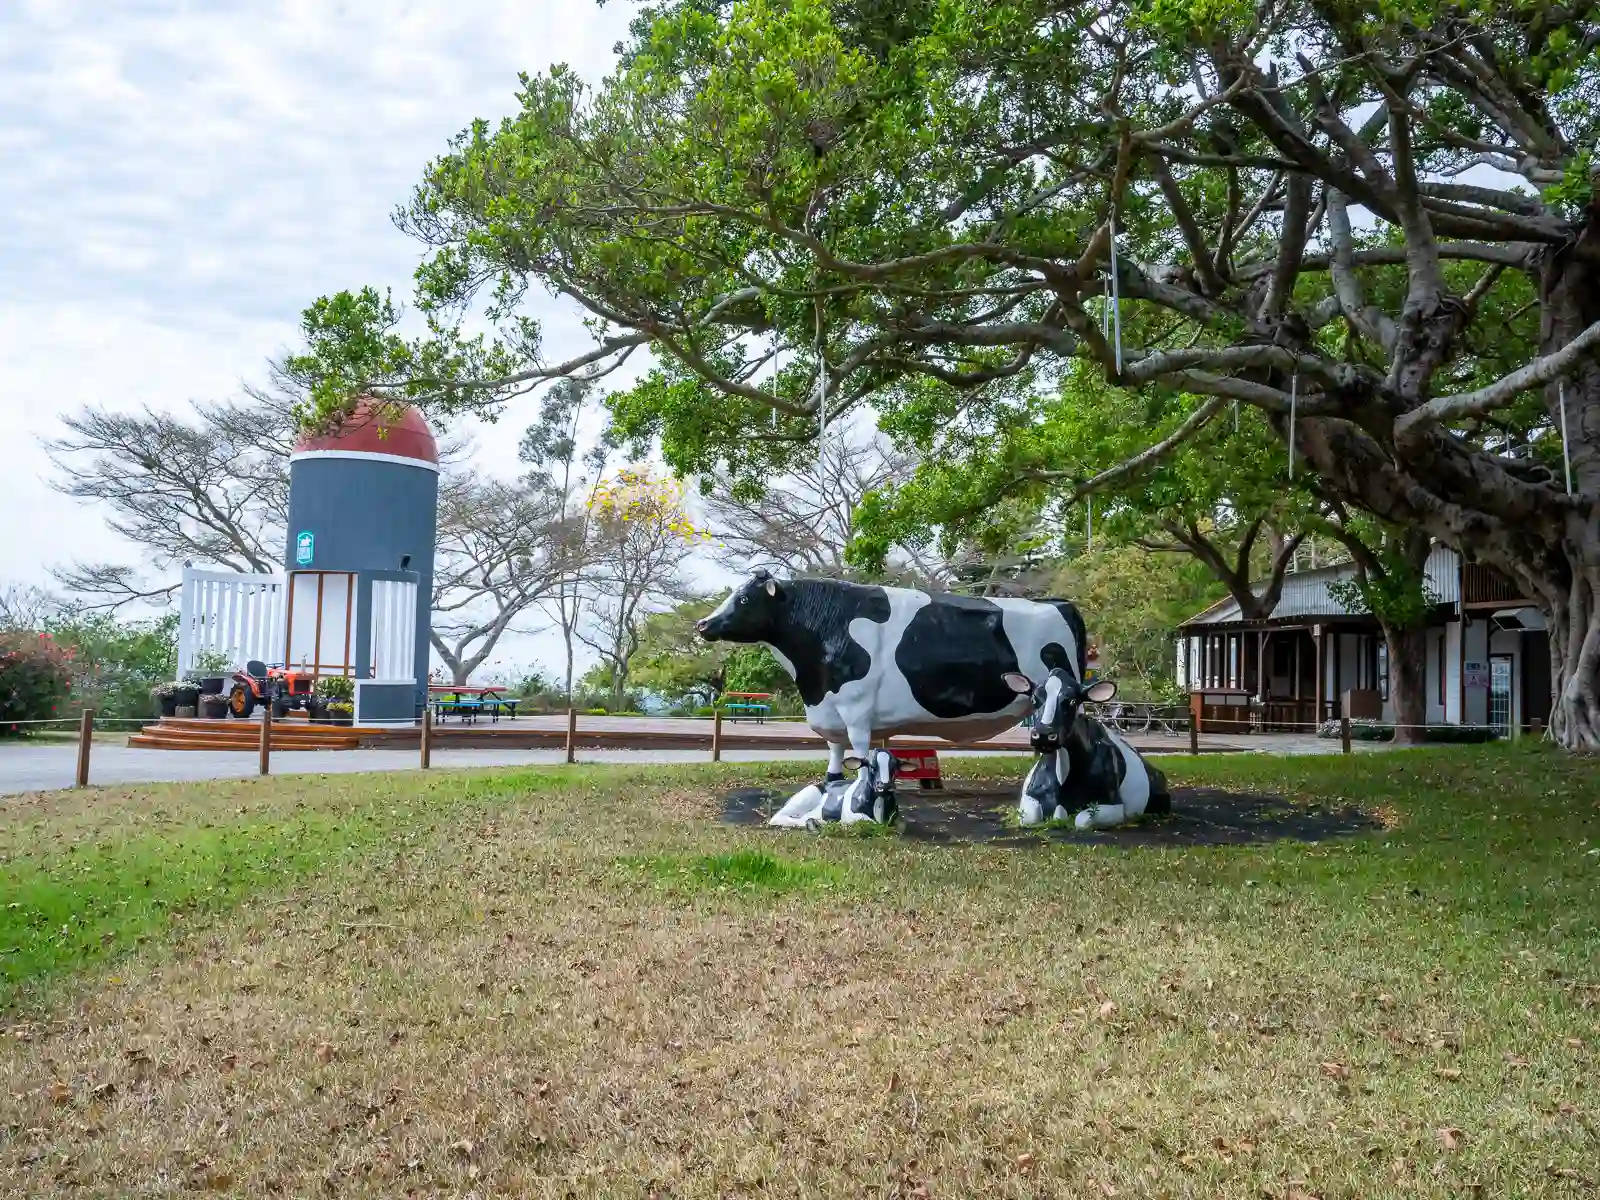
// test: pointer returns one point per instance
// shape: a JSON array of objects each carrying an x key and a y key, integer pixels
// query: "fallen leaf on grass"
[
  {"x": 464, "y": 1147},
  {"x": 1450, "y": 1138},
  {"x": 1024, "y": 1162},
  {"x": 1449, "y": 1073},
  {"x": 1335, "y": 1070},
  {"x": 1108, "y": 1009},
  {"x": 60, "y": 1093},
  {"x": 327, "y": 1052},
  {"x": 1574, "y": 1043}
]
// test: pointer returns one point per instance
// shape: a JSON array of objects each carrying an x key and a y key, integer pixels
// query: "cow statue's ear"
[
  {"x": 1100, "y": 691},
  {"x": 1018, "y": 683},
  {"x": 772, "y": 587}
]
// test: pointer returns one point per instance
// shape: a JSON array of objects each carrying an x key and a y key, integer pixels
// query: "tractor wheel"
[{"x": 241, "y": 702}]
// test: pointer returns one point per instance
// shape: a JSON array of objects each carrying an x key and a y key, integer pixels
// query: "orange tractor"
[{"x": 282, "y": 687}]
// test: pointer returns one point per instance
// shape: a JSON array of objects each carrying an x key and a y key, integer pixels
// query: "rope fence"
[{"x": 1165, "y": 730}]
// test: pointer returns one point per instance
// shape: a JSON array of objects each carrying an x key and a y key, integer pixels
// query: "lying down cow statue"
[
  {"x": 873, "y": 662},
  {"x": 1082, "y": 765}
]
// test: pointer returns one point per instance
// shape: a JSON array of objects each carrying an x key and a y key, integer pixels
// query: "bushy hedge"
[
  {"x": 1377, "y": 731},
  {"x": 35, "y": 679}
]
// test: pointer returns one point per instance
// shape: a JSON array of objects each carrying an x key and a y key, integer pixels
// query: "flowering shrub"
[
  {"x": 35, "y": 679},
  {"x": 635, "y": 496}
]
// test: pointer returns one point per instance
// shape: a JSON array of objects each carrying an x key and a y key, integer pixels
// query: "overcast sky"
[{"x": 182, "y": 179}]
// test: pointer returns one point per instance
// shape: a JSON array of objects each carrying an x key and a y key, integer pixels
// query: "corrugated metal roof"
[{"x": 1306, "y": 594}]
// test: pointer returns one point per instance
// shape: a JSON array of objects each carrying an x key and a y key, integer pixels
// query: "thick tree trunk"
[
  {"x": 1570, "y": 585},
  {"x": 1575, "y": 659},
  {"x": 1408, "y": 681}
]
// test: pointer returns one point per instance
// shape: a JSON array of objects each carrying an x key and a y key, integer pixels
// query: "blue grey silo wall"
[{"x": 366, "y": 515}]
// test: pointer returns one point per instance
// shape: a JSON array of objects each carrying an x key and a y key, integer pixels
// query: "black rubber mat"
[{"x": 970, "y": 811}]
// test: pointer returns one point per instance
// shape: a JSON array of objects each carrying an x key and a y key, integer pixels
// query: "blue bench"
[{"x": 465, "y": 707}]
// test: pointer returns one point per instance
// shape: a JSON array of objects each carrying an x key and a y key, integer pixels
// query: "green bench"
[{"x": 747, "y": 705}]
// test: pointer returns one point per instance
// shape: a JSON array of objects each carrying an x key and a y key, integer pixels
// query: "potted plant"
[
  {"x": 335, "y": 691},
  {"x": 165, "y": 697},
  {"x": 210, "y": 671},
  {"x": 213, "y": 706}
]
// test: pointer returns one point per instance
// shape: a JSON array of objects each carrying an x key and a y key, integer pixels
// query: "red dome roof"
[{"x": 372, "y": 430}]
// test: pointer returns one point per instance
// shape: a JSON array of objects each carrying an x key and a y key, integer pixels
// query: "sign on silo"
[{"x": 304, "y": 548}]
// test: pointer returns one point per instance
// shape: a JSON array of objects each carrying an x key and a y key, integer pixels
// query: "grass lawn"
[{"x": 575, "y": 981}]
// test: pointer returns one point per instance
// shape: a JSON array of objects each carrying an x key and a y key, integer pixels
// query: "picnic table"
[
  {"x": 746, "y": 704},
  {"x": 466, "y": 701}
]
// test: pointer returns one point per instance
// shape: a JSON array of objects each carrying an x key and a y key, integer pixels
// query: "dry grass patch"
[{"x": 563, "y": 989}]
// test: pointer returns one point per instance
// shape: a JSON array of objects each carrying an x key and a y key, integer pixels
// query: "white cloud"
[{"x": 182, "y": 179}]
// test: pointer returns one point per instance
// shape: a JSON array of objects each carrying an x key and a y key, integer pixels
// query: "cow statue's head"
[
  {"x": 750, "y": 614},
  {"x": 1056, "y": 702},
  {"x": 871, "y": 796}
]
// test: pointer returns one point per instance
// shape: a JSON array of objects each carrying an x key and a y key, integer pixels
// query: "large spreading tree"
[{"x": 1373, "y": 223}]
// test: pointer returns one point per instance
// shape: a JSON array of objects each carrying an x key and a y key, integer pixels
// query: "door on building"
[
  {"x": 1500, "y": 692},
  {"x": 1535, "y": 677}
]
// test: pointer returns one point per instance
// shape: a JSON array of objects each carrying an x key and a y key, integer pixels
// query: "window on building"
[{"x": 1383, "y": 670}]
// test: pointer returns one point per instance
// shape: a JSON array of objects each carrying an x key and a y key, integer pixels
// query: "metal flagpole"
[
  {"x": 1566, "y": 453},
  {"x": 1294, "y": 387},
  {"x": 1116, "y": 293}
]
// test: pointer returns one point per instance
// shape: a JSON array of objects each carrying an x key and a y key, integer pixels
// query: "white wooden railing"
[{"x": 222, "y": 612}]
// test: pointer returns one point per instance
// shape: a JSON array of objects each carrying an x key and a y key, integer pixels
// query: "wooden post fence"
[
  {"x": 85, "y": 740},
  {"x": 266, "y": 738},
  {"x": 1344, "y": 732},
  {"x": 427, "y": 736},
  {"x": 716, "y": 736},
  {"x": 1194, "y": 733},
  {"x": 572, "y": 735}
]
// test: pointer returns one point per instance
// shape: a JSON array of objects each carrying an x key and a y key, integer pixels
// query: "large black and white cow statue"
[
  {"x": 872, "y": 662},
  {"x": 1081, "y": 764}
]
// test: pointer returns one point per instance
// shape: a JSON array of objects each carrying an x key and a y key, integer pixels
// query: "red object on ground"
[
  {"x": 371, "y": 430},
  {"x": 921, "y": 765}
]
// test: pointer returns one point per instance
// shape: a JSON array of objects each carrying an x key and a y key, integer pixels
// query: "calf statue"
[
  {"x": 1082, "y": 764},
  {"x": 869, "y": 798},
  {"x": 873, "y": 662}
]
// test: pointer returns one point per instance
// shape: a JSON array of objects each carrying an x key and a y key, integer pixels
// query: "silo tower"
[{"x": 363, "y": 519}]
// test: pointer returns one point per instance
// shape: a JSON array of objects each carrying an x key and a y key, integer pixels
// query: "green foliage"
[
  {"x": 675, "y": 662},
  {"x": 336, "y": 687},
  {"x": 1390, "y": 581},
  {"x": 115, "y": 664},
  {"x": 1132, "y": 600},
  {"x": 35, "y": 679},
  {"x": 208, "y": 664}
]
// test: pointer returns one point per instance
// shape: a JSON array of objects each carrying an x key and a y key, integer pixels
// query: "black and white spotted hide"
[
  {"x": 1082, "y": 766},
  {"x": 868, "y": 797},
  {"x": 871, "y": 796}
]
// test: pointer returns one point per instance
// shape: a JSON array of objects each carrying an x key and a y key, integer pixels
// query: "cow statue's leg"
[
  {"x": 1133, "y": 788},
  {"x": 1041, "y": 792},
  {"x": 858, "y": 797},
  {"x": 836, "y": 784}
]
